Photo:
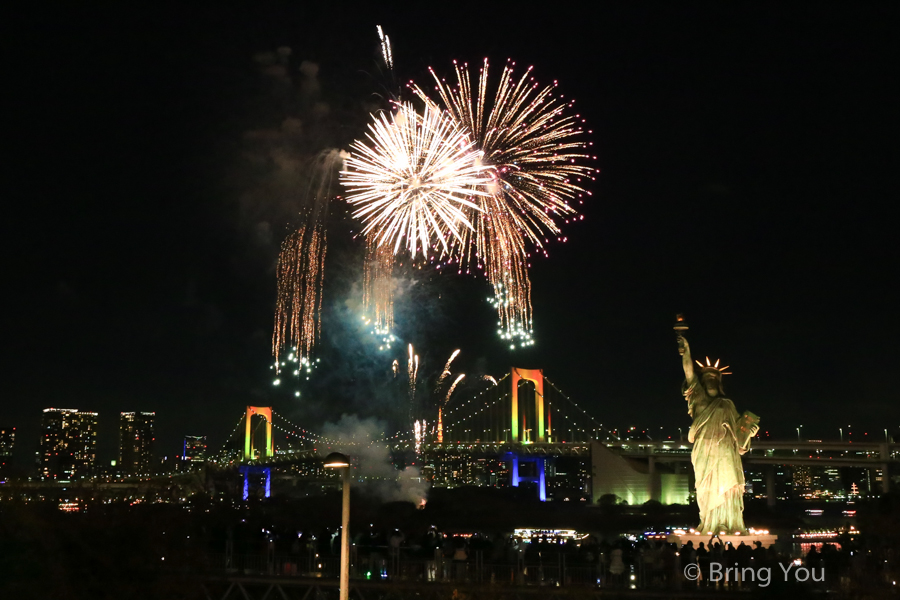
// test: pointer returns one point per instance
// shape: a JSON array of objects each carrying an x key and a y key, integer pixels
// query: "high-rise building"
[
  {"x": 173, "y": 464},
  {"x": 195, "y": 449},
  {"x": 831, "y": 479},
  {"x": 53, "y": 442},
  {"x": 815, "y": 481},
  {"x": 784, "y": 482},
  {"x": 7, "y": 441},
  {"x": 83, "y": 443},
  {"x": 136, "y": 442},
  {"x": 804, "y": 481},
  {"x": 68, "y": 443}
]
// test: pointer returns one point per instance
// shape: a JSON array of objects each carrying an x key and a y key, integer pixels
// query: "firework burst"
[
  {"x": 531, "y": 142},
  {"x": 417, "y": 180}
]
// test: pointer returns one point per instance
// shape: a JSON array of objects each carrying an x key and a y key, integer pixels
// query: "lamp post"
[{"x": 336, "y": 460}]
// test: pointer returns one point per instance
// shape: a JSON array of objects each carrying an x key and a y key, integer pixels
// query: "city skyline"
[
  {"x": 132, "y": 452},
  {"x": 580, "y": 471},
  {"x": 21, "y": 458}
]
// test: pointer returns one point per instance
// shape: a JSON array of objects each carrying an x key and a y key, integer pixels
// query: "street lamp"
[{"x": 336, "y": 460}]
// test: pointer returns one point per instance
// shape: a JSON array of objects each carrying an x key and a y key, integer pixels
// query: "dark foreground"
[{"x": 289, "y": 551}]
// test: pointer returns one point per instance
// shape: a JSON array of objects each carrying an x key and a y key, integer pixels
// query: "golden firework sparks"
[
  {"x": 453, "y": 387},
  {"x": 299, "y": 297},
  {"x": 533, "y": 145},
  {"x": 415, "y": 181},
  {"x": 378, "y": 293},
  {"x": 301, "y": 265},
  {"x": 446, "y": 371}
]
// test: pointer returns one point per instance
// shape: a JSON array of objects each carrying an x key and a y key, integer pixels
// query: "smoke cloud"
[{"x": 358, "y": 438}]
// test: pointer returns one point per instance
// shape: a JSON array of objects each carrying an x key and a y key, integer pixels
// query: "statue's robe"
[{"x": 719, "y": 441}]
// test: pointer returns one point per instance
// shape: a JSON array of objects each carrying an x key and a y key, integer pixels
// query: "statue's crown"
[{"x": 712, "y": 368}]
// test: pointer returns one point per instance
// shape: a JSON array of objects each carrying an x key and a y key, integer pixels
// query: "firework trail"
[
  {"x": 446, "y": 371},
  {"x": 412, "y": 370},
  {"x": 491, "y": 379},
  {"x": 409, "y": 364},
  {"x": 451, "y": 359},
  {"x": 395, "y": 367},
  {"x": 378, "y": 293},
  {"x": 440, "y": 419},
  {"x": 385, "y": 48},
  {"x": 525, "y": 134},
  {"x": 419, "y": 431},
  {"x": 453, "y": 387},
  {"x": 416, "y": 181},
  {"x": 301, "y": 267},
  {"x": 438, "y": 388},
  {"x": 300, "y": 273}
]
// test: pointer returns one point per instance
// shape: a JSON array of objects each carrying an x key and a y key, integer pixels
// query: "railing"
[
  {"x": 385, "y": 564},
  {"x": 652, "y": 573}
]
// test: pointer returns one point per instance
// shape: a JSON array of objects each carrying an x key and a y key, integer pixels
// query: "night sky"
[{"x": 748, "y": 162}]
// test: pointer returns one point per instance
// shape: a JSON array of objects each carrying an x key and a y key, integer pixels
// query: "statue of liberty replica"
[{"x": 720, "y": 436}]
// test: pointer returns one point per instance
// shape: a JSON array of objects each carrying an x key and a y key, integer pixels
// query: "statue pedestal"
[{"x": 750, "y": 539}]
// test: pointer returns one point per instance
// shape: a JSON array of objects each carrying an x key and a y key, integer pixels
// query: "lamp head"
[{"x": 336, "y": 460}]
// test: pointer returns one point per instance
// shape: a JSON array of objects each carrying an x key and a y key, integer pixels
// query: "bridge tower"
[
  {"x": 262, "y": 411},
  {"x": 536, "y": 376}
]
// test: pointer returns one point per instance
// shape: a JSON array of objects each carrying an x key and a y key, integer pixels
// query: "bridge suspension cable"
[
  {"x": 459, "y": 407},
  {"x": 313, "y": 437},
  {"x": 397, "y": 437},
  {"x": 291, "y": 438},
  {"x": 477, "y": 412},
  {"x": 230, "y": 437},
  {"x": 481, "y": 418},
  {"x": 584, "y": 412}
]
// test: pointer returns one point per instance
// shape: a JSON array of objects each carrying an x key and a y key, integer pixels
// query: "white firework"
[{"x": 416, "y": 180}]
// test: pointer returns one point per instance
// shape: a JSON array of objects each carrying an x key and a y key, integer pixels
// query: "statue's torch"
[{"x": 680, "y": 327}]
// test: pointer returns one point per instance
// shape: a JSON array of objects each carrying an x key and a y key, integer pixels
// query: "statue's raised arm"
[{"x": 684, "y": 349}]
